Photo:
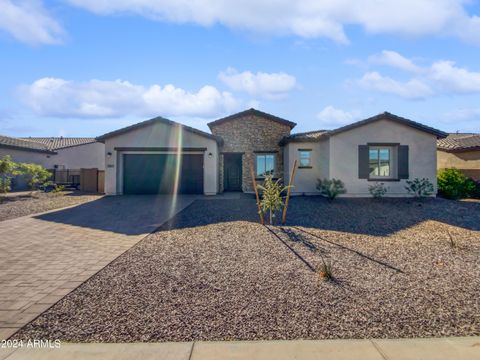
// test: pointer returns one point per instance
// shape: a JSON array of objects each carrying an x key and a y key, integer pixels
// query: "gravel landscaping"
[
  {"x": 402, "y": 268},
  {"x": 14, "y": 205}
]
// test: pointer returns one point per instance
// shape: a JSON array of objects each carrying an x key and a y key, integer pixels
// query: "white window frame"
[
  {"x": 257, "y": 155},
  {"x": 392, "y": 161}
]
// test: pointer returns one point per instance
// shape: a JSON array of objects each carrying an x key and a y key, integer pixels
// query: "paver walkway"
[
  {"x": 467, "y": 348},
  {"x": 44, "y": 257}
]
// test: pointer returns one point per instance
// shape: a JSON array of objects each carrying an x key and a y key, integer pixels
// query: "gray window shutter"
[
  {"x": 363, "y": 168},
  {"x": 403, "y": 162}
]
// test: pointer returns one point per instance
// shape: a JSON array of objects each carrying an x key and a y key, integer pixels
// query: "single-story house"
[
  {"x": 62, "y": 155},
  {"x": 461, "y": 151},
  {"x": 162, "y": 156}
]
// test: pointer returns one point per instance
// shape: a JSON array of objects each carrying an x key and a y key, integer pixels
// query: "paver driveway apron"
[{"x": 44, "y": 257}]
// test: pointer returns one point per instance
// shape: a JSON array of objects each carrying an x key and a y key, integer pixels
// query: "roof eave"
[{"x": 15, "y": 147}]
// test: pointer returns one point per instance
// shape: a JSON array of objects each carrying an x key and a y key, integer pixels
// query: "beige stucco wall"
[
  {"x": 75, "y": 157},
  {"x": 159, "y": 135},
  {"x": 22, "y": 156},
  {"x": 86, "y": 156},
  {"x": 344, "y": 155},
  {"x": 459, "y": 160},
  {"x": 305, "y": 181}
]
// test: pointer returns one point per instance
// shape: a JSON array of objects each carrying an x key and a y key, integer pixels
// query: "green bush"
[
  {"x": 8, "y": 169},
  {"x": 36, "y": 174},
  {"x": 419, "y": 187},
  {"x": 377, "y": 190},
  {"x": 331, "y": 188},
  {"x": 453, "y": 184}
]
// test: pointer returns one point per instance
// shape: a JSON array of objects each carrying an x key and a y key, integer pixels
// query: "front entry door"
[{"x": 232, "y": 173}]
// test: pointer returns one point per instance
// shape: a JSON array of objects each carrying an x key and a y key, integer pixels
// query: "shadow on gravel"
[{"x": 359, "y": 216}]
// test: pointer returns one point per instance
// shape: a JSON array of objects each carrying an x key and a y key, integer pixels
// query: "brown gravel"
[
  {"x": 215, "y": 274},
  {"x": 14, "y": 205}
]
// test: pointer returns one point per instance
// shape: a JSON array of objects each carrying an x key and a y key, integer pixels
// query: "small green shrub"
[
  {"x": 272, "y": 200},
  {"x": 378, "y": 190},
  {"x": 419, "y": 187},
  {"x": 326, "y": 270},
  {"x": 58, "y": 189},
  {"x": 36, "y": 174},
  {"x": 8, "y": 169},
  {"x": 453, "y": 184},
  {"x": 331, "y": 188}
]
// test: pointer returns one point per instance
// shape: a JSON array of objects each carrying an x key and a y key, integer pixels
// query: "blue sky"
[{"x": 83, "y": 68}]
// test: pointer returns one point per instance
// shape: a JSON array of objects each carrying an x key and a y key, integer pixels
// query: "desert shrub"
[
  {"x": 453, "y": 184},
  {"x": 476, "y": 192},
  {"x": 377, "y": 190},
  {"x": 8, "y": 169},
  {"x": 57, "y": 189},
  {"x": 36, "y": 174},
  {"x": 272, "y": 200},
  {"x": 331, "y": 188},
  {"x": 326, "y": 270},
  {"x": 420, "y": 187}
]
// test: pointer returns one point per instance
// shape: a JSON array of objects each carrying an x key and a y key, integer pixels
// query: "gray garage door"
[{"x": 157, "y": 174}]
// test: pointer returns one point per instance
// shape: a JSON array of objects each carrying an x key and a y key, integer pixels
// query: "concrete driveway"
[{"x": 44, "y": 257}]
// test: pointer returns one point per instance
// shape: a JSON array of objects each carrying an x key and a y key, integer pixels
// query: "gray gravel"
[
  {"x": 215, "y": 274},
  {"x": 14, "y": 205}
]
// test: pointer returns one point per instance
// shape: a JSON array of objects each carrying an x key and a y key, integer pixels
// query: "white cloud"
[
  {"x": 331, "y": 116},
  {"x": 412, "y": 89},
  {"x": 29, "y": 22},
  {"x": 394, "y": 59},
  {"x": 308, "y": 18},
  {"x": 102, "y": 99},
  {"x": 454, "y": 79},
  {"x": 266, "y": 85},
  {"x": 441, "y": 77}
]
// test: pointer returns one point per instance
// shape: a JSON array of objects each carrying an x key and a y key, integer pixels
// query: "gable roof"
[
  {"x": 54, "y": 143},
  {"x": 459, "y": 142},
  {"x": 156, "y": 120},
  {"x": 322, "y": 134},
  {"x": 251, "y": 112},
  {"x": 26, "y": 145}
]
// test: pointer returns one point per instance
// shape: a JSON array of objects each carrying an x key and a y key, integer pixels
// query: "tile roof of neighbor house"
[
  {"x": 55, "y": 143},
  {"x": 155, "y": 120},
  {"x": 459, "y": 142},
  {"x": 322, "y": 134},
  {"x": 250, "y": 112},
  {"x": 22, "y": 144}
]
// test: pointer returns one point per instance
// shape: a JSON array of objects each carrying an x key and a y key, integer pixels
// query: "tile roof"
[
  {"x": 22, "y": 144},
  {"x": 250, "y": 112},
  {"x": 459, "y": 142},
  {"x": 304, "y": 136},
  {"x": 55, "y": 143},
  {"x": 316, "y": 135}
]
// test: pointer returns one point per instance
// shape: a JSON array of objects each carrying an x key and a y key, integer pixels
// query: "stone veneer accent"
[{"x": 248, "y": 134}]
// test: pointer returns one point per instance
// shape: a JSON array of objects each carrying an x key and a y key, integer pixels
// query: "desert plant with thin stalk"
[
  {"x": 452, "y": 242},
  {"x": 326, "y": 270},
  {"x": 272, "y": 200}
]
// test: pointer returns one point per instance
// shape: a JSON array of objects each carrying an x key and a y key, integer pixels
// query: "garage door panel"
[{"x": 156, "y": 173}]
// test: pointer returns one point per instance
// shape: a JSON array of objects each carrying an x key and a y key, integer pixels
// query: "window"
[
  {"x": 379, "y": 160},
  {"x": 305, "y": 158},
  {"x": 265, "y": 164}
]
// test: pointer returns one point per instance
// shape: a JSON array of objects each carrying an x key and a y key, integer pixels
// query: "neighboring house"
[
  {"x": 461, "y": 151},
  {"x": 55, "y": 153},
  {"x": 162, "y": 156}
]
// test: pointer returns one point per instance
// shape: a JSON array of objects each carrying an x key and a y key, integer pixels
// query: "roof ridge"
[{"x": 278, "y": 119}]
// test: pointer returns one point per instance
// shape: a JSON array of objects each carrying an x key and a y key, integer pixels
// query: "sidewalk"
[{"x": 466, "y": 348}]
